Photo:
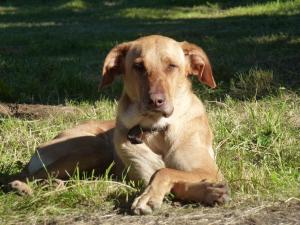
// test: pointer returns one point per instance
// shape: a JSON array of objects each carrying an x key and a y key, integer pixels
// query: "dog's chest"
[{"x": 157, "y": 142}]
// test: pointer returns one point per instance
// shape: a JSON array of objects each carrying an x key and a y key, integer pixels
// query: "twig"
[
  {"x": 247, "y": 213},
  {"x": 292, "y": 198},
  {"x": 226, "y": 139},
  {"x": 219, "y": 103}
]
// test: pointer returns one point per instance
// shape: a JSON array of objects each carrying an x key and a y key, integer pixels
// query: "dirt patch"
[
  {"x": 35, "y": 111},
  {"x": 264, "y": 213},
  {"x": 295, "y": 121}
]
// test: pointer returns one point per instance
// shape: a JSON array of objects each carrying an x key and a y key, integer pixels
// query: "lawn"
[{"x": 51, "y": 53}]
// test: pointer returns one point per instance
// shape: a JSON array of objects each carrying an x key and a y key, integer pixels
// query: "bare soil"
[
  {"x": 270, "y": 213},
  {"x": 34, "y": 111}
]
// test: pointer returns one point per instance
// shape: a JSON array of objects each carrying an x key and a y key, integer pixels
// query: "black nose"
[{"x": 157, "y": 100}]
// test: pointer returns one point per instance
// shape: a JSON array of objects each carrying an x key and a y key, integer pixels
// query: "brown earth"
[
  {"x": 35, "y": 111},
  {"x": 269, "y": 213}
]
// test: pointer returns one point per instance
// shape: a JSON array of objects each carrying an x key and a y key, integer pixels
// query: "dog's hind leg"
[{"x": 87, "y": 147}]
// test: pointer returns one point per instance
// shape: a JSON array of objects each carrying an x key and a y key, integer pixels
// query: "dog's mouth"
[
  {"x": 165, "y": 111},
  {"x": 155, "y": 118}
]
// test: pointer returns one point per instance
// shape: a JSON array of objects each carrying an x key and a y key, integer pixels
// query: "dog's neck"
[{"x": 136, "y": 134}]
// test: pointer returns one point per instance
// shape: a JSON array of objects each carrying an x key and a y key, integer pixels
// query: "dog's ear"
[
  {"x": 114, "y": 63},
  {"x": 198, "y": 63}
]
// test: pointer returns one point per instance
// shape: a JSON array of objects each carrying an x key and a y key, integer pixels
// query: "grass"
[{"x": 52, "y": 53}]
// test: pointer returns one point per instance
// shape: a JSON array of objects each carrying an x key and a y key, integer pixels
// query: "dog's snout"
[
  {"x": 157, "y": 100},
  {"x": 158, "y": 103}
]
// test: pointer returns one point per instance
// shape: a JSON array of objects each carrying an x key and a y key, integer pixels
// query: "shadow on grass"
[
  {"x": 139, "y": 3},
  {"x": 53, "y": 52}
]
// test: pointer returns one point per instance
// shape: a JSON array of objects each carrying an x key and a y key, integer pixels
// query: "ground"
[
  {"x": 265, "y": 213},
  {"x": 36, "y": 111},
  {"x": 51, "y": 54}
]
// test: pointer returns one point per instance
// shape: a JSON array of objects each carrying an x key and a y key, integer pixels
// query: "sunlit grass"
[
  {"x": 256, "y": 144},
  {"x": 269, "y": 39},
  {"x": 214, "y": 11},
  {"x": 257, "y": 149},
  {"x": 28, "y": 25},
  {"x": 76, "y": 5},
  {"x": 7, "y": 10}
]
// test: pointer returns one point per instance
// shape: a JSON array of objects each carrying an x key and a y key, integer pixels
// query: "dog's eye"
[
  {"x": 172, "y": 66},
  {"x": 139, "y": 67}
]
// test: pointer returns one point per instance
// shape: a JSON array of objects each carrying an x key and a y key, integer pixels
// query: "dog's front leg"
[
  {"x": 192, "y": 176},
  {"x": 189, "y": 186}
]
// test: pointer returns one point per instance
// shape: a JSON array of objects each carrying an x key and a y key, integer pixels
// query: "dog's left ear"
[
  {"x": 198, "y": 63},
  {"x": 114, "y": 63}
]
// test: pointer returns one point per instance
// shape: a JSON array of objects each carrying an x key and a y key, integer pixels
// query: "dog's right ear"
[{"x": 114, "y": 63}]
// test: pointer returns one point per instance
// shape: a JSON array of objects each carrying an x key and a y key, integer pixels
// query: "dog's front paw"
[
  {"x": 216, "y": 194},
  {"x": 20, "y": 187},
  {"x": 147, "y": 202}
]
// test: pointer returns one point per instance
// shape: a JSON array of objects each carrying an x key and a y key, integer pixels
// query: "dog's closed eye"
[
  {"x": 171, "y": 67},
  {"x": 139, "y": 66}
]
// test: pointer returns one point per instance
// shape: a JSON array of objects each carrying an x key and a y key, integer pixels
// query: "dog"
[{"x": 161, "y": 135}]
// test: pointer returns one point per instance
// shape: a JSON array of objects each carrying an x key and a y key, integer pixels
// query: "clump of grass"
[
  {"x": 75, "y": 197},
  {"x": 254, "y": 84},
  {"x": 258, "y": 146}
]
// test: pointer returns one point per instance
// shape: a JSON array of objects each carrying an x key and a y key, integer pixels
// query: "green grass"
[{"x": 52, "y": 53}]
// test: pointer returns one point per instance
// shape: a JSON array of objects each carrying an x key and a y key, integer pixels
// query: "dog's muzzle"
[{"x": 158, "y": 103}]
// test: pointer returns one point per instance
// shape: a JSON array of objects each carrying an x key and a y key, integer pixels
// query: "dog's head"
[{"x": 155, "y": 70}]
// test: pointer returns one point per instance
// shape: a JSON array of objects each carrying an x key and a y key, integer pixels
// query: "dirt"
[
  {"x": 254, "y": 214},
  {"x": 34, "y": 111}
]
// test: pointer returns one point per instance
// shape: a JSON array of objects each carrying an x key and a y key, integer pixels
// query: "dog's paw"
[
  {"x": 216, "y": 194},
  {"x": 20, "y": 187},
  {"x": 147, "y": 202}
]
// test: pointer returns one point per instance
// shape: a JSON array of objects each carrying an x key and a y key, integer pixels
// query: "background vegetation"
[{"x": 51, "y": 53}]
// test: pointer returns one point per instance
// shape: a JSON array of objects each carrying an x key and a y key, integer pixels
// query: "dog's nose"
[{"x": 157, "y": 100}]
